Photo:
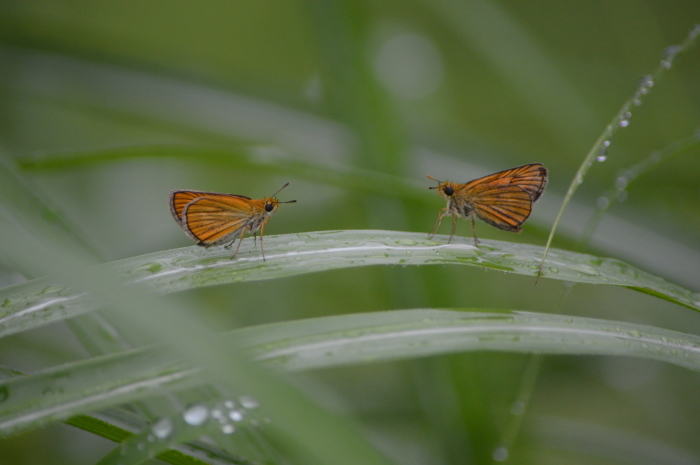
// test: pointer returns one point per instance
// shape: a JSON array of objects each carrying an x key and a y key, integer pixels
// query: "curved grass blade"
[
  {"x": 621, "y": 120},
  {"x": 331, "y": 342},
  {"x": 40, "y": 302},
  {"x": 263, "y": 158}
]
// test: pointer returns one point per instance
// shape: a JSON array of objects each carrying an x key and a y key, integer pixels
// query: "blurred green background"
[{"x": 98, "y": 100}]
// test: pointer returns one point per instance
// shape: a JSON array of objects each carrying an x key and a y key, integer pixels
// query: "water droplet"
[
  {"x": 216, "y": 413},
  {"x": 621, "y": 182},
  {"x": 584, "y": 269},
  {"x": 500, "y": 454},
  {"x": 248, "y": 402},
  {"x": 628, "y": 114},
  {"x": 635, "y": 333},
  {"x": 406, "y": 242},
  {"x": 162, "y": 428},
  {"x": 553, "y": 270},
  {"x": 694, "y": 32},
  {"x": 229, "y": 404},
  {"x": 621, "y": 196},
  {"x": 645, "y": 84},
  {"x": 637, "y": 102},
  {"x": 603, "y": 203},
  {"x": 196, "y": 415},
  {"x": 623, "y": 123},
  {"x": 228, "y": 428},
  {"x": 235, "y": 415},
  {"x": 606, "y": 143},
  {"x": 669, "y": 54},
  {"x": 517, "y": 408},
  {"x": 602, "y": 154}
]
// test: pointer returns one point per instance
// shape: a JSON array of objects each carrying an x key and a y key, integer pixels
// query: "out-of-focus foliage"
[{"x": 105, "y": 107}]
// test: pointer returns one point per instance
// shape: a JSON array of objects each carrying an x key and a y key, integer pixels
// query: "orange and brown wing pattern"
[
  {"x": 217, "y": 218},
  {"x": 507, "y": 209},
  {"x": 531, "y": 178},
  {"x": 505, "y": 199},
  {"x": 180, "y": 198}
]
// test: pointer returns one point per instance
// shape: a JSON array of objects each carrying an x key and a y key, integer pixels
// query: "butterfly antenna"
[
  {"x": 278, "y": 190},
  {"x": 436, "y": 180}
]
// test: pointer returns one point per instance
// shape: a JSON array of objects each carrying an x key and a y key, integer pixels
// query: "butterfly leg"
[
  {"x": 230, "y": 244},
  {"x": 476, "y": 241},
  {"x": 262, "y": 249},
  {"x": 442, "y": 213},
  {"x": 454, "y": 228},
  {"x": 239, "y": 243}
]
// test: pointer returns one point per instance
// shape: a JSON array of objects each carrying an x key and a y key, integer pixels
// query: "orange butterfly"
[
  {"x": 214, "y": 219},
  {"x": 502, "y": 199}
]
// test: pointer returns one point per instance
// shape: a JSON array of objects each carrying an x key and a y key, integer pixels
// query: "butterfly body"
[
  {"x": 212, "y": 218},
  {"x": 502, "y": 199}
]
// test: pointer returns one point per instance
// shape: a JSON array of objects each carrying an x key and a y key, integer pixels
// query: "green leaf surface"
[
  {"x": 40, "y": 302},
  {"x": 333, "y": 341}
]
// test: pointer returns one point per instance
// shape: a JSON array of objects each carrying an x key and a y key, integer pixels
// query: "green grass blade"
[
  {"x": 272, "y": 160},
  {"x": 621, "y": 120},
  {"x": 40, "y": 302},
  {"x": 331, "y": 342}
]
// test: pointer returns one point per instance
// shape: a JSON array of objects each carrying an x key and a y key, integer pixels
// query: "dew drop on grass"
[
  {"x": 668, "y": 55},
  {"x": 500, "y": 454},
  {"x": 621, "y": 182},
  {"x": 235, "y": 415},
  {"x": 196, "y": 415},
  {"x": 623, "y": 123},
  {"x": 602, "y": 203},
  {"x": 228, "y": 428},
  {"x": 248, "y": 402},
  {"x": 162, "y": 428}
]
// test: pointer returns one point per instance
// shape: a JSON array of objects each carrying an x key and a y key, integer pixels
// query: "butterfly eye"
[
  {"x": 448, "y": 190},
  {"x": 269, "y": 207}
]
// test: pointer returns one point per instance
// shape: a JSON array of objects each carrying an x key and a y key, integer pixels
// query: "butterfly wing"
[
  {"x": 180, "y": 198},
  {"x": 505, "y": 199},
  {"x": 213, "y": 219}
]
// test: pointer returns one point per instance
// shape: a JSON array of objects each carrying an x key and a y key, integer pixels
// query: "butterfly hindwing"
[
  {"x": 217, "y": 218},
  {"x": 507, "y": 208}
]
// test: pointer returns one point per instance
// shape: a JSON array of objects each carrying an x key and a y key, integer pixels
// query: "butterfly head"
[
  {"x": 271, "y": 203},
  {"x": 445, "y": 188}
]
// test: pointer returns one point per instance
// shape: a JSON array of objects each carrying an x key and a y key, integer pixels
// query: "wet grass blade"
[
  {"x": 79, "y": 388},
  {"x": 40, "y": 301}
]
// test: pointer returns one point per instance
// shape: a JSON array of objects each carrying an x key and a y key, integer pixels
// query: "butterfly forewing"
[
  {"x": 217, "y": 218},
  {"x": 178, "y": 200},
  {"x": 505, "y": 199},
  {"x": 530, "y": 178}
]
